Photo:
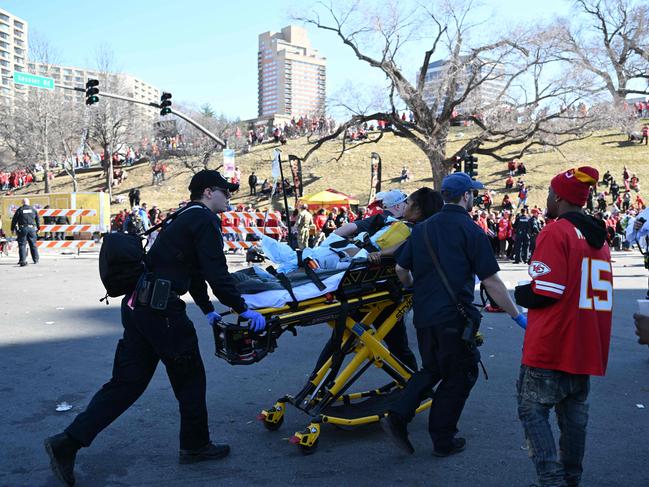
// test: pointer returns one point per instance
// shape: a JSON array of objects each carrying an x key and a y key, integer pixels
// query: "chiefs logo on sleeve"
[{"x": 538, "y": 269}]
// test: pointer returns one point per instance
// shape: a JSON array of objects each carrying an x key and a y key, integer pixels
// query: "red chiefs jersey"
[{"x": 572, "y": 334}]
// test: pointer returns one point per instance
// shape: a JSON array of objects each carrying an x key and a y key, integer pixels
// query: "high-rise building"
[
  {"x": 13, "y": 52},
  {"x": 485, "y": 96},
  {"x": 292, "y": 75}
]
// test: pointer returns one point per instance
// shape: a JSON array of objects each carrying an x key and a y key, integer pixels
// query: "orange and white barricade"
[
  {"x": 65, "y": 244},
  {"x": 66, "y": 212},
  {"x": 67, "y": 228},
  {"x": 237, "y": 225},
  {"x": 228, "y": 245}
]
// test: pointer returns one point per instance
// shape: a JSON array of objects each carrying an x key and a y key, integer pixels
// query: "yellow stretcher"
[{"x": 368, "y": 303}]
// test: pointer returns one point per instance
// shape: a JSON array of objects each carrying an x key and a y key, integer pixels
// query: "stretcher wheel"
[
  {"x": 274, "y": 426},
  {"x": 309, "y": 450}
]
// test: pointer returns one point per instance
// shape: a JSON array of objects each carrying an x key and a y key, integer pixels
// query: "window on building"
[{"x": 17, "y": 33}]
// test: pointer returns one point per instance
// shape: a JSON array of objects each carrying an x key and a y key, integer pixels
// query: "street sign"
[{"x": 33, "y": 80}]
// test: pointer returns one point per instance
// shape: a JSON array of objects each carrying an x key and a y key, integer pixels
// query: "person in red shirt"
[
  {"x": 505, "y": 230},
  {"x": 570, "y": 302}
]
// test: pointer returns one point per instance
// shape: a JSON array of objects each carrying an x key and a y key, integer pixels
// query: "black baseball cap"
[{"x": 208, "y": 178}]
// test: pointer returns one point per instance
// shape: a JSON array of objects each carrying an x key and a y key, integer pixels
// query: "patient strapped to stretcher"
[
  {"x": 294, "y": 278},
  {"x": 337, "y": 252}
]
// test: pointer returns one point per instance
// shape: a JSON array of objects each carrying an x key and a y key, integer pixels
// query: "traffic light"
[
  {"x": 474, "y": 167},
  {"x": 471, "y": 166},
  {"x": 457, "y": 165},
  {"x": 92, "y": 91},
  {"x": 165, "y": 104}
]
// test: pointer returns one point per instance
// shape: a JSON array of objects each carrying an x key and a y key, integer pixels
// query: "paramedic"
[
  {"x": 449, "y": 359},
  {"x": 187, "y": 252}
]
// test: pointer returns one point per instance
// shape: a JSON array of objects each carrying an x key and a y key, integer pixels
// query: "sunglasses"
[{"x": 226, "y": 192}]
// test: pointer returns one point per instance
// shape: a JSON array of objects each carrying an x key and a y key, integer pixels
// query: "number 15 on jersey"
[{"x": 593, "y": 280}]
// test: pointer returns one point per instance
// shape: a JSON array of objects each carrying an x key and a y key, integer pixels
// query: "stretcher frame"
[{"x": 366, "y": 291}]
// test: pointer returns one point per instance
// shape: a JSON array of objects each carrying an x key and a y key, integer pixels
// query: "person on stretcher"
[
  {"x": 375, "y": 237},
  {"x": 416, "y": 208}
]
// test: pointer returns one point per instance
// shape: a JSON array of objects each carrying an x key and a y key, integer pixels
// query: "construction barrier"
[
  {"x": 65, "y": 244},
  {"x": 227, "y": 245},
  {"x": 66, "y": 212},
  {"x": 253, "y": 230},
  {"x": 81, "y": 208},
  {"x": 236, "y": 226},
  {"x": 68, "y": 228},
  {"x": 252, "y": 215}
]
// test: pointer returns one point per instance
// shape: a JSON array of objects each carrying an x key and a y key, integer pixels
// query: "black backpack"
[
  {"x": 121, "y": 262},
  {"x": 122, "y": 258}
]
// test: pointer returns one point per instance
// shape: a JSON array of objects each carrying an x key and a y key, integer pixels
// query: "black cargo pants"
[{"x": 149, "y": 337}]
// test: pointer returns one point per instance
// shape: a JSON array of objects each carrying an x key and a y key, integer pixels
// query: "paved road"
[{"x": 57, "y": 344}]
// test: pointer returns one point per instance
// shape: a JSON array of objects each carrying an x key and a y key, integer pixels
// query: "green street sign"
[{"x": 33, "y": 80}]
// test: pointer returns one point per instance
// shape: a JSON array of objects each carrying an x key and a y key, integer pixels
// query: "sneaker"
[
  {"x": 457, "y": 445},
  {"x": 205, "y": 453},
  {"x": 62, "y": 451},
  {"x": 22, "y": 264},
  {"x": 397, "y": 430}
]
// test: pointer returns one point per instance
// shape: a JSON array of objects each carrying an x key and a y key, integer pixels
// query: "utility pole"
[{"x": 46, "y": 153}]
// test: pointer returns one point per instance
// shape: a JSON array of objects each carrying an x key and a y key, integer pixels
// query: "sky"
[{"x": 205, "y": 51}]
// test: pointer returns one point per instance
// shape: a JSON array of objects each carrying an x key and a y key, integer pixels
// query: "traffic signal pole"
[{"x": 180, "y": 115}]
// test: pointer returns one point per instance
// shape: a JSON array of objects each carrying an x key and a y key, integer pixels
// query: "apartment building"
[{"x": 291, "y": 74}]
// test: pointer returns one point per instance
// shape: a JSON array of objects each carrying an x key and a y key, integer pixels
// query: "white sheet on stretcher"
[{"x": 280, "y": 297}]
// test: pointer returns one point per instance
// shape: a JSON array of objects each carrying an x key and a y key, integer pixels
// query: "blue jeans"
[{"x": 540, "y": 390}]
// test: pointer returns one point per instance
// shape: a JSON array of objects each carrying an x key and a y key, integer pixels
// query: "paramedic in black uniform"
[
  {"x": 24, "y": 224},
  {"x": 188, "y": 252},
  {"x": 463, "y": 251}
]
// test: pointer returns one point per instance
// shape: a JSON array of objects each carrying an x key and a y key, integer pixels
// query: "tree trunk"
[{"x": 436, "y": 152}]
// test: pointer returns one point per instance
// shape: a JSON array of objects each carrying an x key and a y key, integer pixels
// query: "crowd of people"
[{"x": 10, "y": 180}]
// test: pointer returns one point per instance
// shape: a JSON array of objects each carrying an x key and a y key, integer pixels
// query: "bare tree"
[
  {"x": 505, "y": 84},
  {"x": 197, "y": 150},
  {"x": 111, "y": 122},
  {"x": 40, "y": 120},
  {"x": 609, "y": 41}
]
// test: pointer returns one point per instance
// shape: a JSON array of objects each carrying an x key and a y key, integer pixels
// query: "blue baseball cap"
[{"x": 458, "y": 183}]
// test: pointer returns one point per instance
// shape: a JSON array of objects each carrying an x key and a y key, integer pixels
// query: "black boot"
[
  {"x": 206, "y": 453},
  {"x": 456, "y": 446},
  {"x": 62, "y": 451},
  {"x": 397, "y": 428}
]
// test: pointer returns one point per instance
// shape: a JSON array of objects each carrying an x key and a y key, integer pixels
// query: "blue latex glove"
[
  {"x": 521, "y": 320},
  {"x": 257, "y": 320},
  {"x": 213, "y": 317}
]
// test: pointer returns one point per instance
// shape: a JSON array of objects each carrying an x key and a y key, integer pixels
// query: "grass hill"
[{"x": 604, "y": 150}]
